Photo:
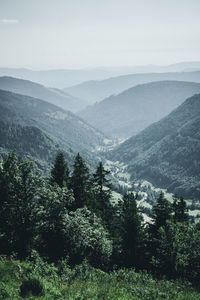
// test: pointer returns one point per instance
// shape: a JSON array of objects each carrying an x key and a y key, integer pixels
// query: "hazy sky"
[{"x": 92, "y": 33}]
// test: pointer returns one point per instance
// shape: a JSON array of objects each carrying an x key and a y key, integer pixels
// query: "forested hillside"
[
  {"x": 32, "y": 89},
  {"x": 167, "y": 152},
  {"x": 133, "y": 110},
  {"x": 29, "y": 142},
  {"x": 57, "y": 127}
]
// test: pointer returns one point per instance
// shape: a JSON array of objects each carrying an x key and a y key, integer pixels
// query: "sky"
[{"x": 45, "y": 34}]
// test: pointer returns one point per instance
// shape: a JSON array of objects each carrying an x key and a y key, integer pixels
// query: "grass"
[{"x": 84, "y": 283}]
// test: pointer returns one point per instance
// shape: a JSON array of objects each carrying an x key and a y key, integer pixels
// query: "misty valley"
[{"x": 100, "y": 187}]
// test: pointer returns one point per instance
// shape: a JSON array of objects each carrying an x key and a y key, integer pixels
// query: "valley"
[{"x": 99, "y": 150}]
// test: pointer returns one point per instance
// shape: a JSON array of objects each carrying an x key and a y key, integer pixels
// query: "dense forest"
[{"x": 64, "y": 230}]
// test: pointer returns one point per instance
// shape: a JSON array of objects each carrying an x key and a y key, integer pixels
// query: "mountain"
[
  {"x": 32, "y": 89},
  {"x": 59, "y": 78},
  {"x": 167, "y": 153},
  {"x": 58, "y": 128},
  {"x": 187, "y": 66},
  {"x": 31, "y": 143},
  {"x": 62, "y": 78},
  {"x": 130, "y": 112},
  {"x": 93, "y": 91}
]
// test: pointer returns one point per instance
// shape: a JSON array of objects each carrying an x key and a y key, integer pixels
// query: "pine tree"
[
  {"x": 60, "y": 171},
  {"x": 131, "y": 231},
  {"x": 100, "y": 178},
  {"x": 80, "y": 182},
  {"x": 162, "y": 216},
  {"x": 102, "y": 195},
  {"x": 180, "y": 210},
  {"x": 161, "y": 212}
]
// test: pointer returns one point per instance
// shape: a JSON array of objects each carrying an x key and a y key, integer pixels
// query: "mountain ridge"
[
  {"x": 95, "y": 91},
  {"x": 65, "y": 129},
  {"x": 167, "y": 152},
  {"x": 132, "y": 110},
  {"x": 33, "y": 89}
]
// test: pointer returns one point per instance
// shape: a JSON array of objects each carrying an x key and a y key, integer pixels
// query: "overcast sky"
[{"x": 91, "y": 33}]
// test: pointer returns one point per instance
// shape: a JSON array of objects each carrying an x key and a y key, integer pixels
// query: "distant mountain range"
[
  {"x": 187, "y": 66},
  {"x": 32, "y": 89},
  {"x": 131, "y": 111},
  {"x": 167, "y": 153},
  {"x": 62, "y": 78},
  {"x": 31, "y": 125},
  {"x": 94, "y": 91}
]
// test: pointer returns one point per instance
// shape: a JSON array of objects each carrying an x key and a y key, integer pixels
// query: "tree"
[
  {"x": 131, "y": 231},
  {"x": 52, "y": 218},
  {"x": 60, "y": 171},
  {"x": 100, "y": 178},
  {"x": 80, "y": 182},
  {"x": 180, "y": 210},
  {"x": 161, "y": 212},
  {"x": 178, "y": 251},
  {"x": 19, "y": 186},
  {"x": 88, "y": 239},
  {"x": 102, "y": 192}
]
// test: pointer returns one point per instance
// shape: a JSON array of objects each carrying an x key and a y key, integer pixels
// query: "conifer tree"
[
  {"x": 60, "y": 171},
  {"x": 131, "y": 231},
  {"x": 162, "y": 217},
  {"x": 102, "y": 194},
  {"x": 161, "y": 211},
  {"x": 80, "y": 182},
  {"x": 180, "y": 210}
]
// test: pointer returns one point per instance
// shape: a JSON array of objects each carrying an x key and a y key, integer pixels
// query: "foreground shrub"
[{"x": 31, "y": 286}]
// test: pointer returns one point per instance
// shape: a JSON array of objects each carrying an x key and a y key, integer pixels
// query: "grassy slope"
[{"x": 84, "y": 282}]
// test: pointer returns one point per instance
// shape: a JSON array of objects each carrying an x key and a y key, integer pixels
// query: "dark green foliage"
[
  {"x": 88, "y": 239},
  {"x": 31, "y": 286},
  {"x": 100, "y": 178},
  {"x": 161, "y": 212},
  {"x": 60, "y": 171},
  {"x": 19, "y": 185},
  {"x": 36, "y": 215},
  {"x": 52, "y": 214},
  {"x": 131, "y": 231},
  {"x": 80, "y": 182},
  {"x": 177, "y": 252},
  {"x": 102, "y": 194},
  {"x": 180, "y": 210}
]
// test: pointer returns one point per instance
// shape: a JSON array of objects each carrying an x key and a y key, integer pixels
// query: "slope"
[
  {"x": 66, "y": 130},
  {"x": 93, "y": 91},
  {"x": 54, "y": 96},
  {"x": 128, "y": 113},
  {"x": 30, "y": 142},
  {"x": 167, "y": 153}
]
